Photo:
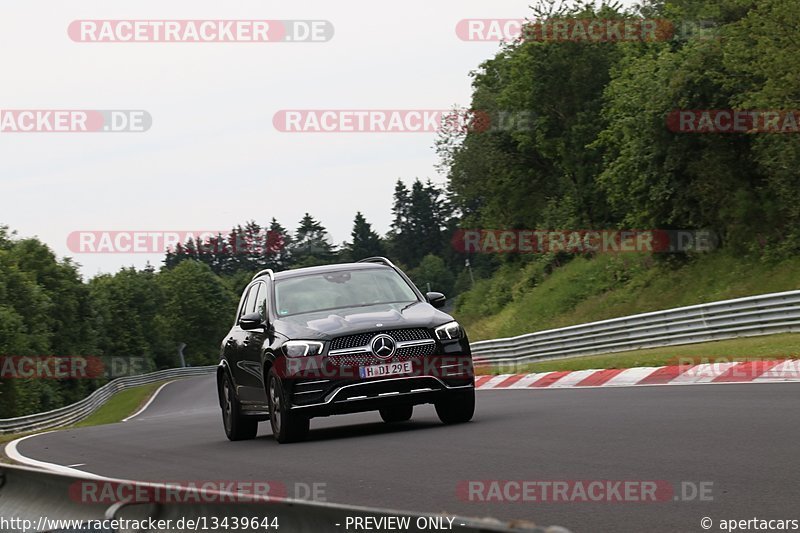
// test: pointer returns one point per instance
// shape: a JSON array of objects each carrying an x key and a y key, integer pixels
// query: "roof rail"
[
  {"x": 377, "y": 259},
  {"x": 267, "y": 271}
]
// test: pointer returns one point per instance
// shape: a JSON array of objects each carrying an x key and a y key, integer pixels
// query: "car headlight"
[
  {"x": 449, "y": 331},
  {"x": 302, "y": 348}
]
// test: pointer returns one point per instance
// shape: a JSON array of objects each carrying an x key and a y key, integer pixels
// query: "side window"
[
  {"x": 252, "y": 298},
  {"x": 242, "y": 305},
  {"x": 261, "y": 301},
  {"x": 249, "y": 303}
]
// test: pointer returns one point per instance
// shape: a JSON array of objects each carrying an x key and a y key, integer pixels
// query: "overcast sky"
[{"x": 212, "y": 157}]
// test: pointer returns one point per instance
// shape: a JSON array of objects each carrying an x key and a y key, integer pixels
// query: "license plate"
[{"x": 389, "y": 369}]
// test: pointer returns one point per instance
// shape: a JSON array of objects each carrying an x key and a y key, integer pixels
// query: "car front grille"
[
  {"x": 362, "y": 339},
  {"x": 421, "y": 350},
  {"x": 368, "y": 358}
]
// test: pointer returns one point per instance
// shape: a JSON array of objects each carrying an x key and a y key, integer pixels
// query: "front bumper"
[
  {"x": 370, "y": 395},
  {"x": 332, "y": 383},
  {"x": 325, "y": 385}
]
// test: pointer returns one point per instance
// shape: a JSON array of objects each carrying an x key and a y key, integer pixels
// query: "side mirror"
[
  {"x": 436, "y": 299},
  {"x": 251, "y": 321}
]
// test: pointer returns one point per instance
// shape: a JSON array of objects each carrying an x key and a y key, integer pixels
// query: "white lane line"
[
  {"x": 15, "y": 455},
  {"x": 145, "y": 406},
  {"x": 76, "y": 464}
]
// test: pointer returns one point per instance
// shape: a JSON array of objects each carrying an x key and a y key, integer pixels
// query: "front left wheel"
[
  {"x": 456, "y": 407},
  {"x": 287, "y": 426},
  {"x": 237, "y": 426}
]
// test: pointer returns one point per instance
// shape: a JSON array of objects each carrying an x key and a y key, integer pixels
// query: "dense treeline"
[
  {"x": 44, "y": 309},
  {"x": 597, "y": 153}
]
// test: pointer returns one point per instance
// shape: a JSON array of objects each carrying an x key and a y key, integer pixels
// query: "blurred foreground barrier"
[
  {"x": 742, "y": 317},
  {"x": 33, "y": 500}
]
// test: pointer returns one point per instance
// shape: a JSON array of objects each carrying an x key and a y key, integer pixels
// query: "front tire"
[
  {"x": 456, "y": 407},
  {"x": 237, "y": 426},
  {"x": 287, "y": 426},
  {"x": 400, "y": 413}
]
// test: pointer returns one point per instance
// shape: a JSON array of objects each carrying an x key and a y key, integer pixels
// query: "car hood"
[{"x": 325, "y": 325}]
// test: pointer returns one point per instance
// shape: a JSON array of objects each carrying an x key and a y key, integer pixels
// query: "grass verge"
[
  {"x": 780, "y": 346},
  {"x": 529, "y": 296},
  {"x": 122, "y": 405}
]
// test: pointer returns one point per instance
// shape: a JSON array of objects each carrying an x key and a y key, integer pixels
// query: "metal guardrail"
[
  {"x": 70, "y": 414},
  {"x": 35, "y": 495},
  {"x": 741, "y": 317}
]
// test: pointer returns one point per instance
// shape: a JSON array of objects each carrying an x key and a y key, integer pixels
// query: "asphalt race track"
[{"x": 743, "y": 438}]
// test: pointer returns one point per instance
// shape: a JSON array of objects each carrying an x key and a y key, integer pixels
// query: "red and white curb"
[{"x": 736, "y": 372}]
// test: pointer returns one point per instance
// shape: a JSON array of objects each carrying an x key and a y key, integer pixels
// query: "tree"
[
  {"x": 197, "y": 311},
  {"x": 657, "y": 178},
  {"x": 46, "y": 311},
  {"x": 25, "y": 322},
  {"x": 400, "y": 237},
  {"x": 247, "y": 248},
  {"x": 420, "y": 217},
  {"x": 541, "y": 171},
  {"x": 278, "y": 244},
  {"x": 756, "y": 51},
  {"x": 311, "y": 245},
  {"x": 127, "y": 305},
  {"x": 365, "y": 242},
  {"x": 70, "y": 325},
  {"x": 433, "y": 273}
]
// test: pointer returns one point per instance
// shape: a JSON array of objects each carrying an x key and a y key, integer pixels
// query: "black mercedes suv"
[{"x": 340, "y": 338}]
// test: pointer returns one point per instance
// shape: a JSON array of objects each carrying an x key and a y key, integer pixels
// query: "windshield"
[{"x": 335, "y": 290}]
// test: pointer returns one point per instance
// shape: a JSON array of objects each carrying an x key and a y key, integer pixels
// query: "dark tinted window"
[
  {"x": 261, "y": 300},
  {"x": 250, "y": 302}
]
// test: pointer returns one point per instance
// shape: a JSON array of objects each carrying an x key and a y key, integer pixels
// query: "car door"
[
  {"x": 253, "y": 384},
  {"x": 229, "y": 342},
  {"x": 236, "y": 342}
]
